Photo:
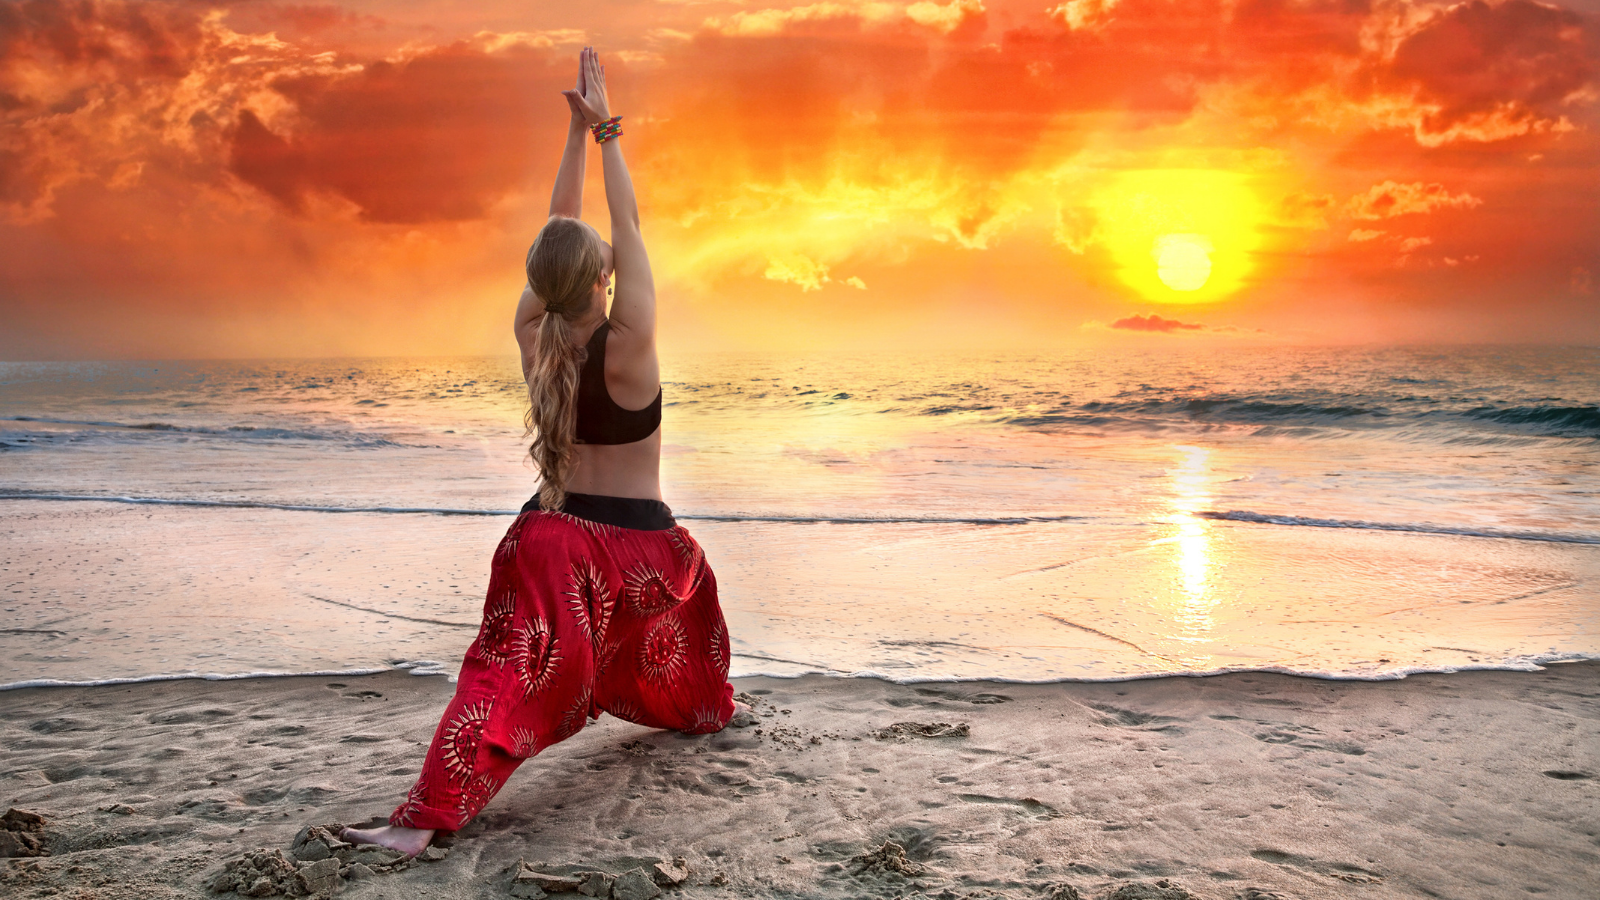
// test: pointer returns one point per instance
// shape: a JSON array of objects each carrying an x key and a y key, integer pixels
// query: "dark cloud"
[
  {"x": 1154, "y": 323},
  {"x": 438, "y": 137},
  {"x": 1516, "y": 60},
  {"x": 135, "y": 39}
]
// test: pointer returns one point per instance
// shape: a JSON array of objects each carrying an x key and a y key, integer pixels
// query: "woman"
[{"x": 598, "y": 600}]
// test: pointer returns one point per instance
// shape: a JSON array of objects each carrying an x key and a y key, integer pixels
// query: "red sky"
[{"x": 185, "y": 179}]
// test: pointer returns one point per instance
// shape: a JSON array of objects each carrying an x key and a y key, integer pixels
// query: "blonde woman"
[{"x": 598, "y": 600}]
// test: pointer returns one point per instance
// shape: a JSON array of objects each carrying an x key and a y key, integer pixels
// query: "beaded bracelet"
[{"x": 605, "y": 131}]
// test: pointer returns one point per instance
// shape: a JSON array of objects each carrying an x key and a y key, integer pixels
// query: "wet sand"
[{"x": 1470, "y": 785}]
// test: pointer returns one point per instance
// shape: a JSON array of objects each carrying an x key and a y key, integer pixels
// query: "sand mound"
[
  {"x": 317, "y": 865},
  {"x": 20, "y": 834}
]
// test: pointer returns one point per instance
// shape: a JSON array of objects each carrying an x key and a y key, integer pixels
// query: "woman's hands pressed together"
[{"x": 588, "y": 99}]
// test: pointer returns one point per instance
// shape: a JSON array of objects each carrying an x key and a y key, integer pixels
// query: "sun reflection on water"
[{"x": 1191, "y": 492}]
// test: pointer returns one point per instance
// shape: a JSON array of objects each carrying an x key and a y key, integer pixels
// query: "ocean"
[{"x": 1333, "y": 512}]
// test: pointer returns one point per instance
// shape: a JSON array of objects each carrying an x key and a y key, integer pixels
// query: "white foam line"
[
  {"x": 255, "y": 504},
  {"x": 885, "y": 520},
  {"x": 429, "y": 667},
  {"x": 1515, "y": 664},
  {"x": 447, "y": 511},
  {"x": 1242, "y": 515},
  {"x": 196, "y": 676}
]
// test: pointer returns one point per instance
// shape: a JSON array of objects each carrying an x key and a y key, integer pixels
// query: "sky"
[{"x": 262, "y": 179}]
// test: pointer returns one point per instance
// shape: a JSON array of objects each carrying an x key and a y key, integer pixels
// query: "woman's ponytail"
[{"x": 563, "y": 266}]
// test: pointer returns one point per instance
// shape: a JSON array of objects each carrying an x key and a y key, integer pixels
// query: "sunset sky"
[{"x": 253, "y": 179}]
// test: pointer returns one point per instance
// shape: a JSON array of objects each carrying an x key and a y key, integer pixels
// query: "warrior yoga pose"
[{"x": 598, "y": 600}]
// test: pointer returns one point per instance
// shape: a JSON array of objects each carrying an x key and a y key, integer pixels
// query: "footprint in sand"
[
  {"x": 904, "y": 731},
  {"x": 1026, "y": 805},
  {"x": 1132, "y": 718},
  {"x": 1300, "y": 737},
  {"x": 59, "y": 725},
  {"x": 934, "y": 697},
  {"x": 1343, "y": 871},
  {"x": 190, "y": 716}
]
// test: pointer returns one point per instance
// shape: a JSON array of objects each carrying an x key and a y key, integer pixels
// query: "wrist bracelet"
[{"x": 605, "y": 131}]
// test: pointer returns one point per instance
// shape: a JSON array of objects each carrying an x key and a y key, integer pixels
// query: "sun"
[
  {"x": 1183, "y": 261},
  {"x": 1180, "y": 235}
]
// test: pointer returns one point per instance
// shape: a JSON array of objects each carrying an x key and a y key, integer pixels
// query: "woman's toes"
[
  {"x": 409, "y": 841},
  {"x": 357, "y": 836}
]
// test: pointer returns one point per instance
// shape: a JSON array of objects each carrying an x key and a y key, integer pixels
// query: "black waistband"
[{"x": 623, "y": 512}]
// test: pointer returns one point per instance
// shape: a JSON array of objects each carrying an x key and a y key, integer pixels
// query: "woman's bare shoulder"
[{"x": 633, "y": 375}]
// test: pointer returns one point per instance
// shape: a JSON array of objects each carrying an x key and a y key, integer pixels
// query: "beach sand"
[{"x": 1467, "y": 785}]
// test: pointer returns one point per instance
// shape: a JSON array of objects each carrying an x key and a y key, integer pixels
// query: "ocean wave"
[
  {"x": 245, "y": 432},
  {"x": 1554, "y": 420},
  {"x": 1239, "y": 515},
  {"x": 448, "y": 511},
  {"x": 425, "y": 667},
  {"x": 253, "y": 504},
  {"x": 1530, "y": 663},
  {"x": 1344, "y": 414}
]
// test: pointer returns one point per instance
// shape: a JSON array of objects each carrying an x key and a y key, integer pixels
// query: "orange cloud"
[
  {"x": 944, "y": 18},
  {"x": 1487, "y": 72},
  {"x": 426, "y": 138},
  {"x": 1154, "y": 323},
  {"x": 1390, "y": 199}
]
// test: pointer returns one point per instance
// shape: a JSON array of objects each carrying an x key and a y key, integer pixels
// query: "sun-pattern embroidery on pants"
[
  {"x": 647, "y": 591},
  {"x": 714, "y": 644},
  {"x": 535, "y": 655},
  {"x": 707, "y": 719},
  {"x": 627, "y": 710},
  {"x": 591, "y": 599},
  {"x": 524, "y": 742},
  {"x": 495, "y": 635},
  {"x": 687, "y": 549},
  {"x": 605, "y": 655},
  {"x": 414, "y": 803},
  {"x": 477, "y": 794},
  {"x": 507, "y": 551},
  {"x": 462, "y": 736},
  {"x": 664, "y": 652},
  {"x": 577, "y": 713},
  {"x": 598, "y": 529}
]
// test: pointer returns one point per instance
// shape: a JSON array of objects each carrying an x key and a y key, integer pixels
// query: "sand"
[{"x": 1467, "y": 785}]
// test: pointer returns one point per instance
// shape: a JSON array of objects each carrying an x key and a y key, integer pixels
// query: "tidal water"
[{"x": 1344, "y": 513}]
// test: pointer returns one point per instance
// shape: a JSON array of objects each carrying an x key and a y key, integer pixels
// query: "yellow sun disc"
[
  {"x": 1179, "y": 235},
  {"x": 1183, "y": 261}
]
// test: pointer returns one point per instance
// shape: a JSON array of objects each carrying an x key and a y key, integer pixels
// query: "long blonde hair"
[{"x": 563, "y": 265}]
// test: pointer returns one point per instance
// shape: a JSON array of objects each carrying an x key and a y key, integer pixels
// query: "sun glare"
[
  {"x": 1180, "y": 235},
  {"x": 1183, "y": 261}
]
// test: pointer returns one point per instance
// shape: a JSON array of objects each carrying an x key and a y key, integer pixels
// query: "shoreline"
[
  {"x": 430, "y": 668},
  {"x": 1463, "y": 785}
]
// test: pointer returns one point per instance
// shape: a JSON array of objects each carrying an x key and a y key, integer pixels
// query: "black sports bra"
[{"x": 600, "y": 419}]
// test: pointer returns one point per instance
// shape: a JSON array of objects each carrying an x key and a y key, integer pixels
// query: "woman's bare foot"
[
  {"x": 409, "y": 841},
  {"x": 743, "y": 716}
]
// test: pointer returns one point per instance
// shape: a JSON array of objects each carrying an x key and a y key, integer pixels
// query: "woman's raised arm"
[
  {"x": 633, "y": 308},
  {"x": 567, "y": 198}
]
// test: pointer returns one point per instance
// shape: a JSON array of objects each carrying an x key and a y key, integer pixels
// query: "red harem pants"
[{"x": 581, "y": 617}]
